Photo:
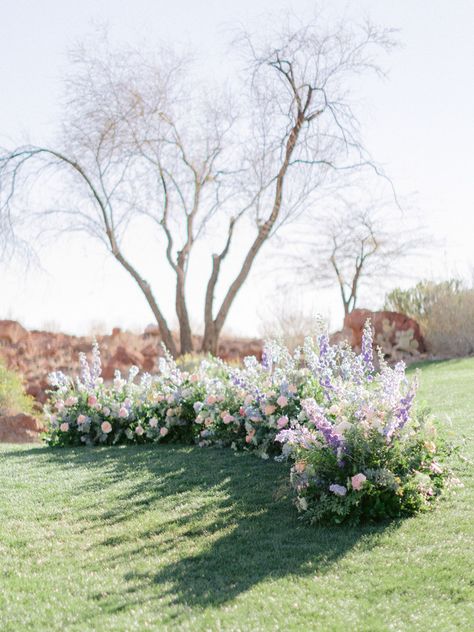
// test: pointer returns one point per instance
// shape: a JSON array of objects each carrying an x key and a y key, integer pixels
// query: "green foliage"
[
  {"x": 443, "y": 310},
  {"x": 13, "y": 398},
  {"x": 416, "y": 302}
]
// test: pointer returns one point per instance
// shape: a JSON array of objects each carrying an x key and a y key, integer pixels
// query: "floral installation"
[{"x": 358, "y": 447}]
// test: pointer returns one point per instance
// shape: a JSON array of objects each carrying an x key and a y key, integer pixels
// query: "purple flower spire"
[
  {"x": 367, "y": 347},
  {"x": 86, "y": 378},
  {"x": 96, "y": 369},
  {"x": 267, "y": 358},
  {"x": 316, "y": 416}
]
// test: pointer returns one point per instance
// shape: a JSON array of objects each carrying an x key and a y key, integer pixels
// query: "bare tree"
[
  {"x": 142, "y": 140},
  {"x": 352, "y": 247}
]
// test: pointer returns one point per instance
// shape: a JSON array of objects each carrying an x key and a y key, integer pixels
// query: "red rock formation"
[
  {"x": 398, "y": 336},
  {"x": 355, "y": 321},
  {"x": 20, "y": 428},
  {"x": 37, "y": 353}
]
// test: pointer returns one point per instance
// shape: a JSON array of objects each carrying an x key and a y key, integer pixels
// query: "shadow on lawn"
[{"x": 243, "y": 531}]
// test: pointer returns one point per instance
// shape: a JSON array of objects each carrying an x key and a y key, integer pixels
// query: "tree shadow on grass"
[{"x": 214, "y": 524}]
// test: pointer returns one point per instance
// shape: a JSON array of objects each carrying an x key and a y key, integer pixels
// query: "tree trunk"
[
  {"x": 185, "y": 335},
  {"x": 165, "y": 331}
]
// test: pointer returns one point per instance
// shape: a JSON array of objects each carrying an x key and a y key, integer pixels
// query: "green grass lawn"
[{"x": 196, "y": 539}]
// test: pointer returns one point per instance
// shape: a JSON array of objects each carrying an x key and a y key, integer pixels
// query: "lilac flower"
[
  {"x": 316, "y": 416},
  {"x": 295, "y": 437},
  {"x": 85, "y": 370},
  {"x": 96, "y": 368},
  {"x": 339, "y": 490},
  {"x": 367, "y": 351},
  {"x": 57, "y": 379},
  {"x": 266, "y": 359}
]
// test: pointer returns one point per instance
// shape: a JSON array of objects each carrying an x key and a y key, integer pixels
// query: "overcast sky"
[{"x": 418, "y": 124}]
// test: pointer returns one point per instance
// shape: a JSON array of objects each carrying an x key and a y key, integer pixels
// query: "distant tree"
[
  {"x": 351, "y": 247},
  {"x": 141, "y": 139}
]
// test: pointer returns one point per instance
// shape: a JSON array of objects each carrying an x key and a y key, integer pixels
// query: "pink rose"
[
  {"x": 357, "y": 481},
  {"x": 123, "y": 412},
  {"x": 106, "y": 411},
  {"x": 208, "y": 422},
  {"x": 242, "y": 411},
  {"x": 292, "y": 388},
  {"x": 81, "y": 419},
  {"x": 282, "y": 401},
  {"x": 70, "y": 401},
  {"x": 282, "y": 422},
  {"x": 269, "y": 409},
  {"x": 59, "y": 405},
  {"x": 106, "y": 427},
  {"x": 153, "y": 422},
  {"x": 64, "y": 427},
  {"x": 194, "y": 378},
  {"x": 211, "y": 399},
  {"x": 436, "y": 468},
  {"x": 164, "y": 431},
  {"x": 92, "y": 400},
  {"x": 227, "y": 419},
  {"x": 139, "y": 431},
  {"x": 250, "y": 436}
]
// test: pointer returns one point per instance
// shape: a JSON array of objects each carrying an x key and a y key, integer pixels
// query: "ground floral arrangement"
[{"x": 359, "y": 448}]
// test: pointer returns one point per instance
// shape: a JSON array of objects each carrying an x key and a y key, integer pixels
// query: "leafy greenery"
[
  {"x": 179, "y": 538},
  {"x": 444, "y": 312},
  {"x": 417, "y": 302},
  {"x": 13, "y": 398}
]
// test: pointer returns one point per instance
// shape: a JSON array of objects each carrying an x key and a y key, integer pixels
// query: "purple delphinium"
[
  {"x": 316, "y": 416},
  {"x": 85, "y": 377},
  {"x": 96, "y": 366},
  {"x": 367, "y": 349},
  {"x": 297, "y": 435}
]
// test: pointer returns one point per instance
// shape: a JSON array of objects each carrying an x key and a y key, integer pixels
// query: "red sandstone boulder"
[
  {"x": 12, "y": 332},
  {"x": 20, "y": 428},
  {"x": 390, "y": 329}
]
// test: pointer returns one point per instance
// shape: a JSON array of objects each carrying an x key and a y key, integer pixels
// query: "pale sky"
[{"x": 418, "y": 123}]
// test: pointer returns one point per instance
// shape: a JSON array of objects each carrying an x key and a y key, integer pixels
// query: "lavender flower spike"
[{"x": 367, "y": 350}]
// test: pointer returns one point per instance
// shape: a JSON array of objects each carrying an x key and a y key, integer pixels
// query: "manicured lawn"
[{"x": 177, "y": 538}]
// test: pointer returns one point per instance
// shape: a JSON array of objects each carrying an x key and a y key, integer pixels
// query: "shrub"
[
  {"x": 359, "y": 449},
  {"x": 13, "y": 398},
  {"x": 445, "y": 312}
]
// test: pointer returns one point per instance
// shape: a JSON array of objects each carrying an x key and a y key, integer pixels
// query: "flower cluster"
[{"x": 357, "y": 449}]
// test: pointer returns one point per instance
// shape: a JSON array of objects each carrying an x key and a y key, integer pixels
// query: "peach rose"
[
  {"x": 64, "y": 427},
  {"x": 282, "y": 401},
  {"x": 269, "y": 409},
  {"x": 164, "y": 431},
  {"x": 106, "y": 427},
  {"x": 282, "y": 422},
  {"x": 357, "y": 481}
]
